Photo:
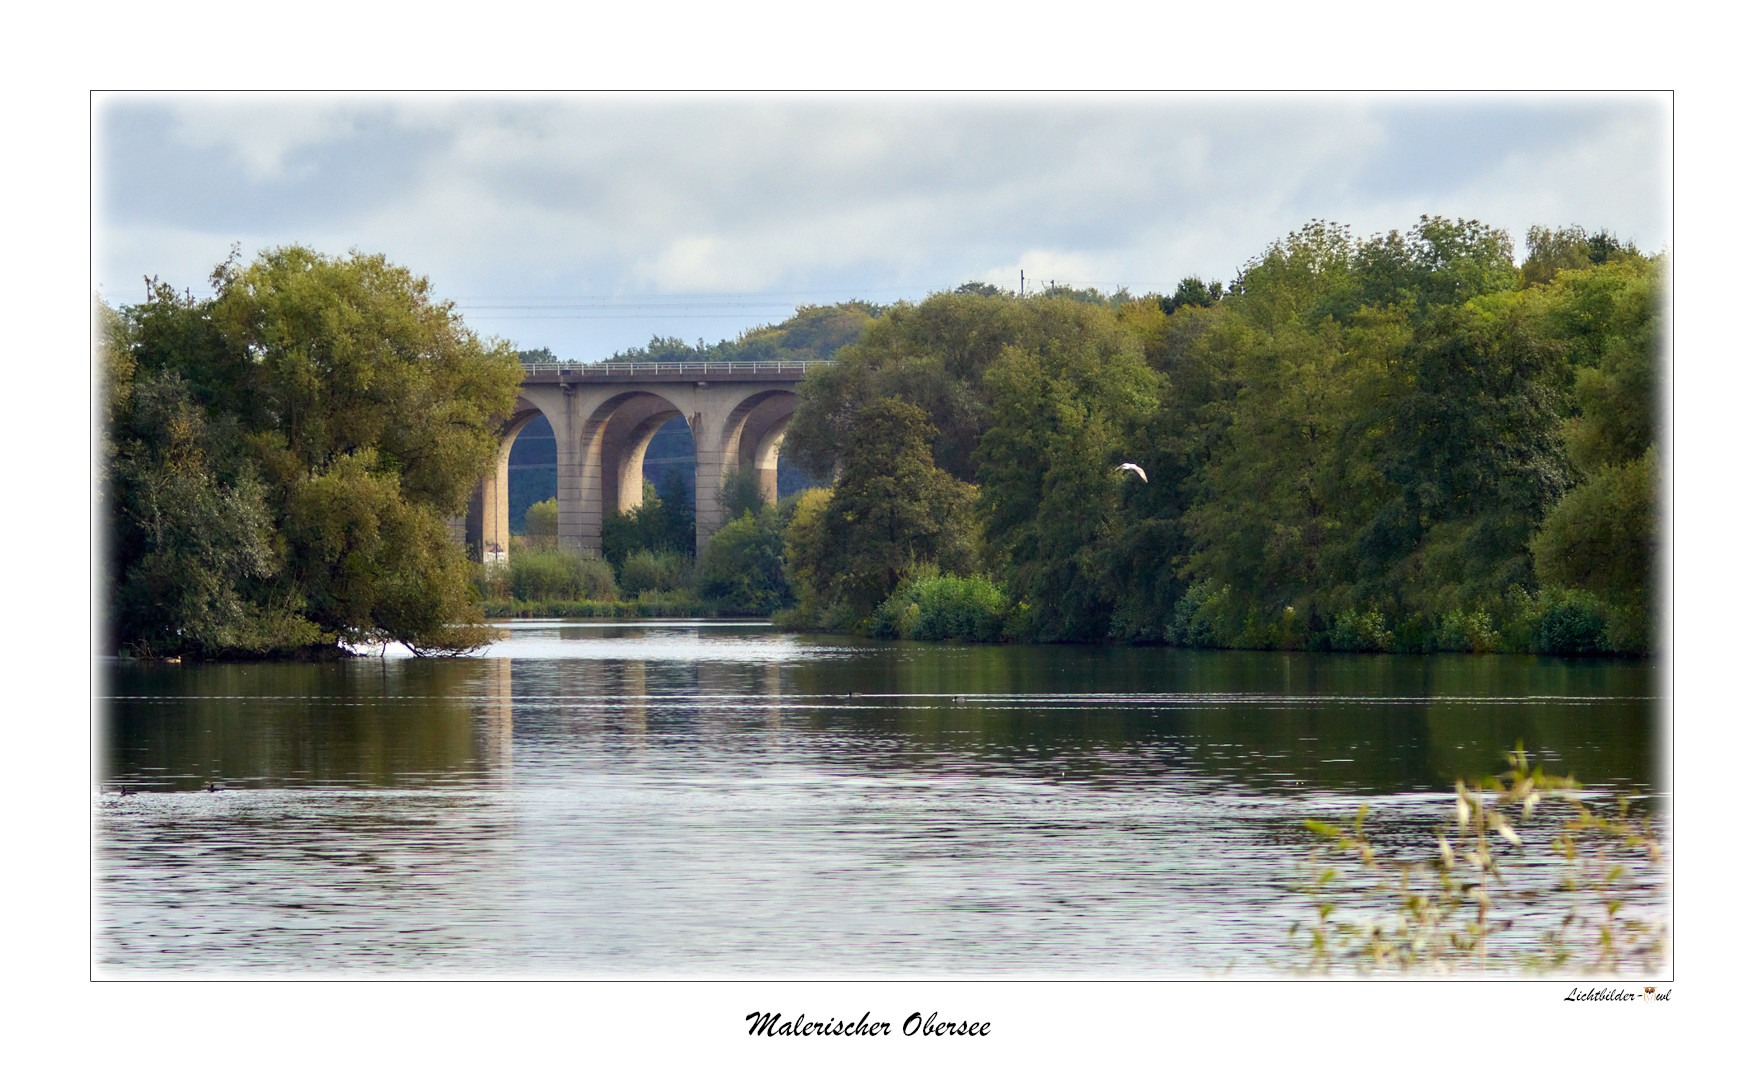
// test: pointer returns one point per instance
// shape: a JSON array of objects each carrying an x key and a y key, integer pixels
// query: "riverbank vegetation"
[
  {"x": 1449, "y": 906},
  {"x": 279, "y": 461},
  {"x": 1395, "y": 443},
  {"x": 647, "y": 568}
]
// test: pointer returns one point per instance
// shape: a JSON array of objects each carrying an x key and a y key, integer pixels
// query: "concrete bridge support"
[
  {"x": 603, "y": 426},
  {"x": 485, "y": 531}
]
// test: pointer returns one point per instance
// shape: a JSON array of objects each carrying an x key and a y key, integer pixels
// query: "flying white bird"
[{"x": 1125, "y": 465}]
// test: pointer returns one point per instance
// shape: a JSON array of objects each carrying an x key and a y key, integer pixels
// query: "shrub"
[
  {"x": 653, "y": 572},
  {"x": 1413, "y": 635},
  {"x": 1283, "y": 630},
  {"x": 1200, "y": 619},
  {"x": 741, "y": 494},
  {"x": 942, "y": 607},
  {"x": 680, "y": 605},
  {"x": 837, "y": 618},
  {"x": 894, "y": 617},
  {"x": 559, "y": 575},
  {"x": 1019, "y": 623},
  {"x": 961, "y": 608},
  {"x": 1474, "y": 632},
  {"x": 1572, "y": 624},
  {"x": 1516, "y": 613},
  {"x": 743, "y": 565},
  {"x": 1629, "y": 629},
  {"x": 541, "y": 526},
  {"x": 490, "y": 581},
  {"x": 663, "y": 522},
  {"x": 1135, "y": 622},
  {"x": 1353, "y": 631}
]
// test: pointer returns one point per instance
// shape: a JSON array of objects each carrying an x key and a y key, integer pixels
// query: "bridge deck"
[{"x": 727, "y": 371}]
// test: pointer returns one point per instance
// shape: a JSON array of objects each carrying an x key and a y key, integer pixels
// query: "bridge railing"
[{"x": 620, "y": 370}]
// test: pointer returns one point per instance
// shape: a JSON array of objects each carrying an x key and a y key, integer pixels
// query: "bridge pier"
[
  {"x": 604, "y": 416},
  {"x": 485, "y": 530}
]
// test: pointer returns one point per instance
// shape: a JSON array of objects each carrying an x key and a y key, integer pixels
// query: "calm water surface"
[{"x": 696, "y": 799}]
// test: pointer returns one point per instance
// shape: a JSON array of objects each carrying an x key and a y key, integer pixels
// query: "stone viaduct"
[{"x": 603, "y": 416}]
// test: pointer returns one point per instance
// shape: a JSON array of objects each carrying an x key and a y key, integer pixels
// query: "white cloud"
[
  {"x": 1617, "y": 176},
  {"x": 261, "y": 132},
  {"x": 880, "y": 197}
]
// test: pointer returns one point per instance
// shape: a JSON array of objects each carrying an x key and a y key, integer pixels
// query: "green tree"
[
  {"x": 814, "y": 332},
  {"x": 1437, "y": 263},
  {"x": 1268, "y": 509},
  {"x": 1306, "y": 276},
  {"x": 662, "y": 350},
  {"x": 1473, "y": 457},
  {"x": 663, "y": 522},
  {"x": 1381, "y": 443},
  {"x": 935, "y": 355},
  {"x": 327, "y": 357},
  {"x": 892, "y": 509},
  {"x": 740, "y": 493},
  {"x": 542, "y": 523},
  {"x": 1193, "y": 292},
  {"x": 1064, "y": 418},
  {"x": 1602, "y": 537},
  {"x": 1608, "y": 319},
  {"x": 364, "y": 409},
  {"x": 1087, "y": 295},
  {"x": 806, "y": 550},
  {"x": 192, "y": 552},
  {"x": 742, "y": 570},
  {"x": 1550, "y": 251},
  {"x": 1243, "y": 451}
]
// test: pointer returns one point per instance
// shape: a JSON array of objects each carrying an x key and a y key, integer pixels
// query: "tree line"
[{"x": 1403, "y": 442}]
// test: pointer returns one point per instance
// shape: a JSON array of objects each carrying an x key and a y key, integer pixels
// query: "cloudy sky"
[{"x": 589, "y": 223}]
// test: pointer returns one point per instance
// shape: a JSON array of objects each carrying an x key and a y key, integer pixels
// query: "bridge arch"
[
  {"x": 754, "y": 431},
  {"x": 613, "y": 439},
  {"x": 486, "y": 525},
  {"x": 603, "y": 417}
]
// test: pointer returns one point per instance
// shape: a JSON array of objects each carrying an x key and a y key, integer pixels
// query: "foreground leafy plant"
[{"x": 1443, "y": 914}]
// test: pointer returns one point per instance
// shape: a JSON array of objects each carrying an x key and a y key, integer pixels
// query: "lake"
[{"x": 695, "y": 799}]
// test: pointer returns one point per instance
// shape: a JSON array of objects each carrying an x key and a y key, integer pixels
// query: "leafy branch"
[{"x": 1443, "y": 914}]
